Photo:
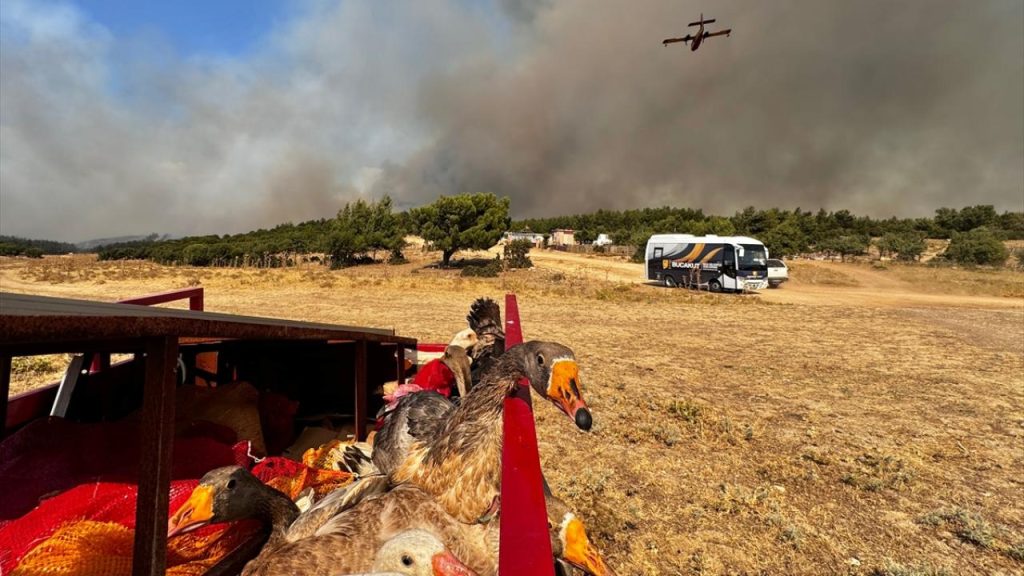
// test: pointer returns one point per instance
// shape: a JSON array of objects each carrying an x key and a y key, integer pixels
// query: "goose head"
[
  {"x": 553, "y": 373},
  {"x": 418, "y": 553},
  {"x": 225, "y": 495},
  {"x": 569, "y": 541}
]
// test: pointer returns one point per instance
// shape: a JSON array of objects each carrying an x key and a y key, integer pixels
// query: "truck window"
[{"x": 657, "y": 252}]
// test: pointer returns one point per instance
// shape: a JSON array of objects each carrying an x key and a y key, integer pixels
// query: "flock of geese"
[{"x": 426, "y": 499}]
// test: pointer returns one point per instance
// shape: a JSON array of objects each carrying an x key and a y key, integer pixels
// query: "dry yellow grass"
[{"x": 814, "y": 429}]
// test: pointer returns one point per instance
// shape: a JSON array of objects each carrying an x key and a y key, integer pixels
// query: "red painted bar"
[
  {"x": 194, "y": 295},
  {"x": 5, "y": 390},
  {"x": 525, "y": 547},
  {"x": 195, "y": 302}
]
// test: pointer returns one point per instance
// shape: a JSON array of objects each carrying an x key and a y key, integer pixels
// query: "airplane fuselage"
[{"x": 698, "y": 37}]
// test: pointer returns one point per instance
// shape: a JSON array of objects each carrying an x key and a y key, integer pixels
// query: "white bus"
[{"x": 729, "y": 263}]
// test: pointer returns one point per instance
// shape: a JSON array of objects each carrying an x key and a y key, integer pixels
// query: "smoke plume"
[{"x": 563, "y": 105}]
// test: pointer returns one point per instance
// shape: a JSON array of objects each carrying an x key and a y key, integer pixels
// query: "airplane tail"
[{"x": 701, "y": 21}]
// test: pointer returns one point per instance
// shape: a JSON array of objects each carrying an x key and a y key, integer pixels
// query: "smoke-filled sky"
[{"x": 189, "y": 121}]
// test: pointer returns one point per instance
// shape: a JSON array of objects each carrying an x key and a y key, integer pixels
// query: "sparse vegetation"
[
  {"x": 897, "y": 569},
  {"x": 967, "y": 526}
]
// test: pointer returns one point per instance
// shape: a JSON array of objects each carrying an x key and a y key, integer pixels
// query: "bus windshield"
[{"x": 753, "y": 258}]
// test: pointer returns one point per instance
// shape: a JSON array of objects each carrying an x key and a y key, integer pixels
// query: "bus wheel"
[
  {"x": 670, "y": 281},
  {"x": 715, "y": 286}
]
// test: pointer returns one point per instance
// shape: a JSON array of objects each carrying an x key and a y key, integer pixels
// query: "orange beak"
[
  {"x": 581, "y": 553},
  {"x": 446, "y": 564},
  {"x": 195, "y": 513},
  {"x": 564, "y": 391}
]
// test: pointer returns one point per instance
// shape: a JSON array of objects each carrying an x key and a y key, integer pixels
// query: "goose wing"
[{"x": 418, "y": 417}]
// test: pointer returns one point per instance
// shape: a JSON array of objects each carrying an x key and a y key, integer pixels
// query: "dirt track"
[{"x": 865, "y": 286}]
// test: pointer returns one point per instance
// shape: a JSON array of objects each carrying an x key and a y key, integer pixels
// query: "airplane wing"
[
  {"x": 668, "y": 41},
  {"x": 719, "y": 33}
]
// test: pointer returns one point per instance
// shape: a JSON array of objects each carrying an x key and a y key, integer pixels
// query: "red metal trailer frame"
[{"x": 525, "y": 546}]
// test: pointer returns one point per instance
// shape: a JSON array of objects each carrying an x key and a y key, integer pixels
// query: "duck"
[
  {"x": 484, "y": 320},
  {"x": 349, "y": 542},
  {"x": 457, "y": 458}
]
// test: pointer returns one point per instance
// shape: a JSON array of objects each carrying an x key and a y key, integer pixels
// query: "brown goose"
[
  {"x": 347, "y": 540},
  {"x": 457, "y": 458},
  {"x": 347, "y": 543},
  {"x": 419, "y": 418}
]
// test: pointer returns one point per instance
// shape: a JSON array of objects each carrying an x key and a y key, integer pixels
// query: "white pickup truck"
[{"x": 777, "y": 272}]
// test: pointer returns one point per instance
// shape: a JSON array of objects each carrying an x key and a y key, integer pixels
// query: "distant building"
[
  {"x": 563, "y": 237},
  {"x": 536, "y": 239},
  {"x": 602, "y": 240}
]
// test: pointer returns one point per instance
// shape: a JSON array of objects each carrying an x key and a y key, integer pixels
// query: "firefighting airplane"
[{"x": 699, "y": 37}]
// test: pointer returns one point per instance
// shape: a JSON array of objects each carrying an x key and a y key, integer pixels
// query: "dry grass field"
[{"x": 857, "y": 421}]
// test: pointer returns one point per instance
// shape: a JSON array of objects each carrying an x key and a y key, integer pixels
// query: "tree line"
[
  {"x": 368, "y": 231},
  {"x": 15, "y": 246},
  {"x": 793, "y": 232},
  {"x": 362, "y": 231}
]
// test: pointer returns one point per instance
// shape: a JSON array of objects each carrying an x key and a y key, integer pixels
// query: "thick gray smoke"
[
  {"x": 879, "y": 107},
  {"x": 563, "y": 105}
]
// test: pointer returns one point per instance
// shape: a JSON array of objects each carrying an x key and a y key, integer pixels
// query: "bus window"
[
  {"x": 729, "y": 255},
  {"x": 753, "y": 258},
  {"x": 657, "y": 252}
]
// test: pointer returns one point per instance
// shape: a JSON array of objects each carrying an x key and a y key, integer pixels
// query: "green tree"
[
  {"x": 466, "y": 221},
  {"x": 517, "y": 254},
  {"x": 979, "y": 246},
  {"x": 786, "y": 239},
  {"x": 363, "y": 227},
  {"x": 902, "y": 245},
  {"x": 846, "y": 245}
]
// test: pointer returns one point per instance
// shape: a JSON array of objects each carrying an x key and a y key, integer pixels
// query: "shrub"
[
  {"x": 517, "y": 254},
  {"x": 979, "y": 246},
  {"x": 902, "y": 245},
  {"x": 1019, "y": 255},
  {"x": 489, "y": 270}
]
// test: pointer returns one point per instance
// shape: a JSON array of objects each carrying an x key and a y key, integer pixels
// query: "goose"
[
  {"x": 484, "y": 320},
  {"x": 415, "y": 553},
  {"x": 344, "y": 543},
  {"x": 419, "y": 418},
  {"x": 347, "y": 540},
  {"x": 458, "y": 458}
]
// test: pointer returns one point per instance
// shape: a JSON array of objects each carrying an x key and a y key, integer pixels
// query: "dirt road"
[{"x": 812, "y": 282}]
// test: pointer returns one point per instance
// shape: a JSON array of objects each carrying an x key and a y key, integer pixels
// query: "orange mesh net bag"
[
  {"x": 89, "y": 548},
  {"x": 291, "y": 477}
]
